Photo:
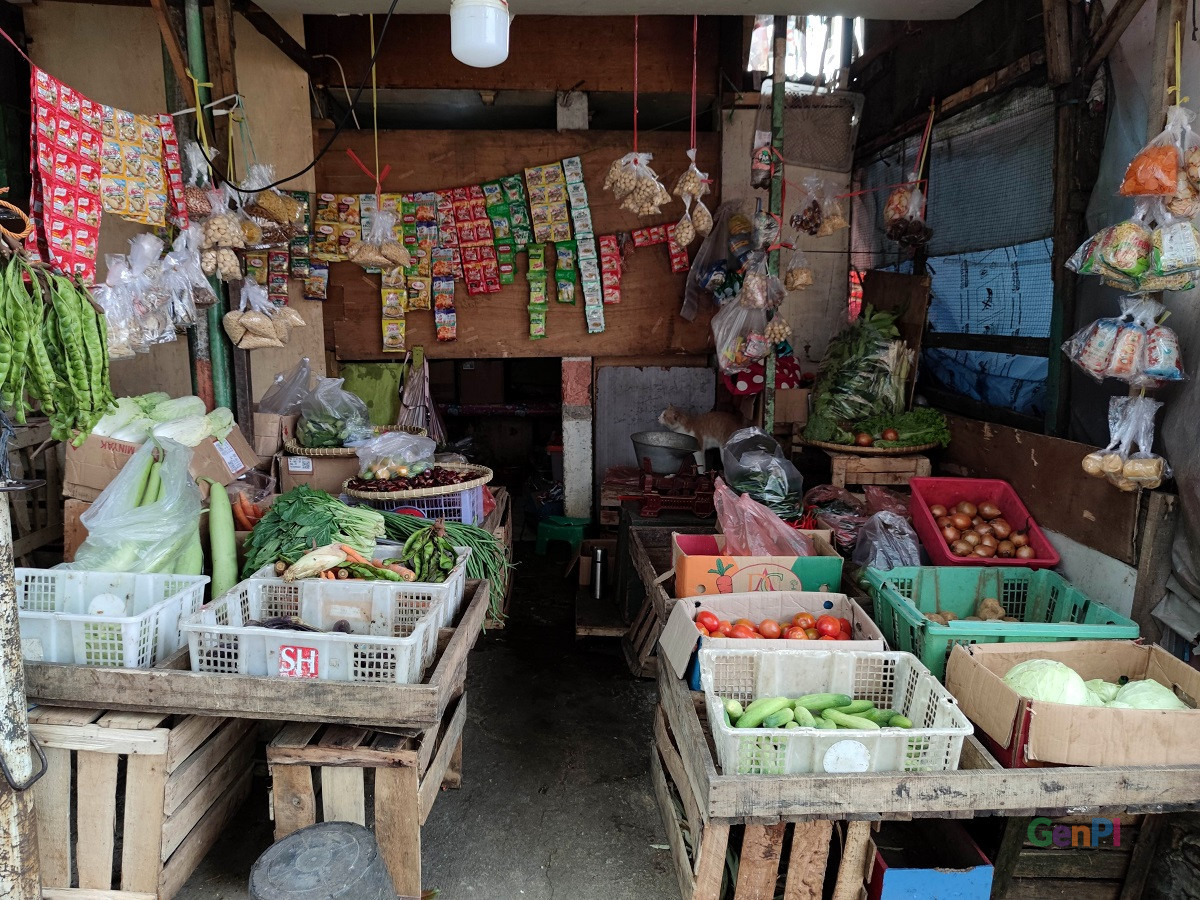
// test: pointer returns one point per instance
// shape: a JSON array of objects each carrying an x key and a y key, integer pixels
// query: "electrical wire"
[
  {"x": 345, "y": 87},
  {"x": 336, "y": 131}
]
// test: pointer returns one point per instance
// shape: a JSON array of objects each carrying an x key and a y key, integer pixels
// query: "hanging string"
[
  {"x": 695, "y": 40},
  {"x": 635, "y": 83},
  {"x": 201, "y": 135},
  {"x": 925, "y": 138},
  {"x": 375, "y": 110},
  {"x": 15, "y": 46}
]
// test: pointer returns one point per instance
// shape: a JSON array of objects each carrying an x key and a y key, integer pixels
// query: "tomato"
[
  {"x": 741, "y": 631},
  {"x": 769, "y": 629},
  {"x": 845, "y": 623},
  {"x": 708, "y": 620},
  {"x": 804, "y": 620},
  {"x": 757, "y": 636},
  {"x": 812, "y": 633},
  {"x": 826, "y": 637},
  {"x": 842, "y": 636},
  {"x": 828, "y": 625},
  {"x": 700, "y": 628},
  {"x": 746, "y": 622},
  {"x": 724, "y": 627},
  {"x": 890, "y": 434},
  {"x": 795, "y": 633}
]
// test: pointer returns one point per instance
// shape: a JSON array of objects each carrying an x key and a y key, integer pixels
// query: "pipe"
[
  {"x": 218, "y": 346},
  {"x": 778, "y": 92}
]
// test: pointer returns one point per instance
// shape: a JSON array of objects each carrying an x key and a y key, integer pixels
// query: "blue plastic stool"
[{"x": 560, "y": 528}]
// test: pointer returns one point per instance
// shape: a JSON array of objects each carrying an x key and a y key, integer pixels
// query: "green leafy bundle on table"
[
  {"x": 920, "y": 425},
  {"x": 864, "y": 371}
]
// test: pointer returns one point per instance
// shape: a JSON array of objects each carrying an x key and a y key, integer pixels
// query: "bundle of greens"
[{"x": 857, "y": 373}]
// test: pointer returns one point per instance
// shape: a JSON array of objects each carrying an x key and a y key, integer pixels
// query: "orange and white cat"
[{"x": 711, "y": 430}]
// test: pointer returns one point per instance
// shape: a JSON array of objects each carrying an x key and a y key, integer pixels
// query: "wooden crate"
[
  {"x": 388, "y": 779},
  {"x": 499, "y": 523},
  {"x": 650, "y": 560},
  {"x": 37, "y": 515},
  {"x": 74, "y": 531},
  {"x": 851, "y": 469},
  {"x": 159, "y": 789},
  {"x": 172, "y": 688}
]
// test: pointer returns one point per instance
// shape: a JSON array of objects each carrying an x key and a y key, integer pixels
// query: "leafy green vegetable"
[
  {"x": 825, "y": 429},
  {"x": 862, "y": 373},
  {"x": 920, "y": 425}
]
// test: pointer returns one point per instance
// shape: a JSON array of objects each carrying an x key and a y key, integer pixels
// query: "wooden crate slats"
[
  {"x": 857, "y": 859},
  {"x": 63, "y": 715},
  {"x": 675, "y": 839},
  {"x": 95, "y": 817},
  {"x": 143, "y": 836},
  {"x": 449, "y": 747},
  {"x": 888, "y": 470},
  {"x": 398, "y": 832},
  {"x": 758, "y": 865},
  {"x": 190, "y": 734},
  {"x": 52, "y": 800},
  {"x": 223, "y": 770},
  {"x": 807, "y": 860},
  {"x": 674, "y": 766},
  {"x": 192, "y": 773},
  {"x": 343, "y": 795},
  {"x": 293, "y": 798},
  {"x": 152, "y": 742},
  {"x": 201, "y": 838}
]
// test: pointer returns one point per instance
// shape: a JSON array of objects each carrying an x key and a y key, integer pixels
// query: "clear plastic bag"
[
  {"x": 638, "y": 186},
  {"x": 195, "y": 191},
  {"x": 1175, "y": 248},
  {"x": 904, "y": 214},
  {"x": 1154, "y": 171},
  {"x": 125, "y": 537},
  {"x": 754, "y": 464},
  {"x": 257, "y": 486},
  {"x": 887, "y": 541},
  {"x": 685, "y": 230},
  {"x": 151, "y": 298},
  {"x": 760, "y": 289},
  {"x": 332, "y": 417},
  {"x": 256, "y": 324},
  {"x": 395, "y": 454},
  {"x": 1119, "y": 252},
  {"x": 702, "y": 219},
  {"x": 740, "y": 335},
  {"x": 284, "y": 396},
  {"x": 1130, "y": 423},
  {"x": 880, "y": 499},
  {"x": 799, "y": 274},
  {"x": 838, "y": 510},
  {"x": 379, "y": 248},
  {"x": 810, "y": 216},
  {"x": 185, "y": 259},
  {"x": 710, "y": 267},
  {"x": 1132, "y": 348},
  {"x": 833, "y": 217},
  {"x": 692, "y": 182},
  {"x": 125, "y": 338},
  {"x": 765, "y": 229},
  {"x": 753, "y": 530},
  {"x": 270, "y": 204}
]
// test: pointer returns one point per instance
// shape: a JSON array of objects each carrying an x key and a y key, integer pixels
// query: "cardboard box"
[
  {"x": 680, "y": 639},
  {"x": 271, "y": 431},
  {"x": 702, "y": 568},
  {"x": 926, "y": 859},
  {"x": 791, "y": 406},
  {"x": 481, "y": 382},
  {"x": 322, "y": 473},
  {"x": 1028, "y": 733},
  {"x": 92, "y": 466}
]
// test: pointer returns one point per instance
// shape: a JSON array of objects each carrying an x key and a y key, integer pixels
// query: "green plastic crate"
[{"x": 1048, "y": 607}]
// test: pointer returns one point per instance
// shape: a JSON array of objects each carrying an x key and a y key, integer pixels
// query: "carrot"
[
  {"x": 353, "y": 555},
  {"x": 239, "y": 517}
]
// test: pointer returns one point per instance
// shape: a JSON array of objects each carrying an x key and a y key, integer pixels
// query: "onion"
[
  {"x": 966, "y": 507},
  {"x": 1001, "y": 528},
  {"x": 937, "y": 510},
  {"x": 988, "y": 541},
  {"x": 943, "y": 521},
  {"x": 951, "y": 534},
  {"x": 960, "y": 521},
  {"x": 1025, "y": 552},
  {"x": 985, "y": 551},
  {"x": 960, "y": 548},
  {"x": 972, "y": 538},
  {"x": 1006, "y": 550},
  {"x": 989, "y": 511},
  {"x": 976, "y": 521},
  {"x": 984, "y": 528},
  {"x": 1019, "y": 538}
]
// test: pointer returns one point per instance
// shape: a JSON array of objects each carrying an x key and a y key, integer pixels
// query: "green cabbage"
[
  {"x": 1149, "y": 694},
  {"x": 189, "y": 431},
  {"x": 220, "y": 423},
  {"x": 1105, "y": 690},
  {"x": 149, "y": 401},
  {"x": 126, "y": 411},
  {"x": 1048, "y": 680},
  {"x": 179, "y": 408}
]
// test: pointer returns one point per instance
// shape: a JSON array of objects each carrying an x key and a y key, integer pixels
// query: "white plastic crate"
[
  {"x": 56, "y": 627},
  {"x": 450, "y": 591},
  {"x": 392, "y": 639},
  {"x": 460, "y": 506},
  {"x": 891, "y": 680}
]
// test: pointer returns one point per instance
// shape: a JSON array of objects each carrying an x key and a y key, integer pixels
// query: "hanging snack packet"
[
  {"x": 1154, "y": 171},
  {"x": 1162, "y": 361},
  {"x": 1176, "y": 248},
  {"x": 1125, "y": 247},
  {"x": 799, "y": 274},
  {"x": 910, "y": 229},
  {"x": 692, "y": 183},
  {"x": 810, "y": 216},
  {"x": 379, "y": 249},
  {"x": 195, "y": 192},
  {"x": 151, "y": 298},
  {"x": 702, "y": 219},
  {"x": 833, "y": 219},
  {"x": 1091, "y": 348},
  {"x": 252, "y": 327},
  {"x": 270, "y": 203}
]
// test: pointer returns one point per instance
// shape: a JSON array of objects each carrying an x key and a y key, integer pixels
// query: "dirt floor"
[{"x": 555, "y": 802}]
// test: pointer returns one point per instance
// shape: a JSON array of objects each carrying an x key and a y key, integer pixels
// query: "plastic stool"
[{"x": 560, "y": 528}]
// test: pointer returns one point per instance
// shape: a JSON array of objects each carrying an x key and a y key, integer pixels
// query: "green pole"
[
  {"x": 218, "y": 346},
  {"x": 778, "y": 90}
]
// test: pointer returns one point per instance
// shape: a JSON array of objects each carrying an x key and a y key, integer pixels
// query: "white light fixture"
[{"x": 479, "y": 32}]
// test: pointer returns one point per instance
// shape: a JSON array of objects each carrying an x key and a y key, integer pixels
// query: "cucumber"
[
  {"x": 879, "y": 716},
  {"x": 824, "y": 724},
  {"x": 804, "y": 718},
  {"x": 900, "y": 722},
  {"x": 779, "y": 719},
  {"x": 856, "y": 707},
  {"x": 791, "y": 725},
  {"x": 733, "y": 709},
  {"x": 842, "y": 720},
  {"x": 818, "y": 702},
  {"x": 757, "y": 711}
]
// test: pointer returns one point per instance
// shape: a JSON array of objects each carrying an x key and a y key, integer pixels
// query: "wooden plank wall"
[
  {"x": 646, "y": 322},
  {"x": 1047, "y": 475}
]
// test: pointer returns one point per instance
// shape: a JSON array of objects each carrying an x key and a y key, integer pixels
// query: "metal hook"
[{"x": 20, "y": 787}]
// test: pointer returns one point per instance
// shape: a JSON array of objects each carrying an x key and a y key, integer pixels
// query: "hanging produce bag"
[
  {"x": 284, "y": 396},
  {"x": 799, "y": 274},
  {"x": 751, "y": 529},
  {"x": 1130, "y": 422},
  {"x": 810, "y": 215},
  {"x": 332, "y": 417},
  {"x": 754, "y": 464},
  {"x": 222, "y": 234},
  {"x": 151, "y": 297},
  {"x": 904, "y": 214}
]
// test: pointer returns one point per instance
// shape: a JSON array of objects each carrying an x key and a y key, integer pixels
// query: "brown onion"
[
  {"x": 1006, "y": 550},
  {"x": 951, "y": 534},
  {"x": 972, "y": 538},
  {"x": 943, "y": 521},
  {"x": 1019, "y": 538},
  {"x": 976, "y": 520},
  {"x": 937, "y": 510},
  {"x": 961, "y": 548},
  {"x": 967, "y": 507},
  {"x": 988, "y": 541},
  {"x": 989, "y": 511},
  {"x": 960, "y": 521},
  {"x": 984, "y": 528},
  {"x": 1001, "y": 528},
  {"x": 985, "y": 551},
  {"x": 1025, "y": 552}
]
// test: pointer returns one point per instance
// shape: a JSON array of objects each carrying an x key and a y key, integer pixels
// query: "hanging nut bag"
[
  {"x": 1154, "y": 171},
  {"x": 702, "y": 219},
  {"x": 195, "y": 192},
  {"x": 685, "y": 229},
  {"x": 379, "y": 248},
  {"x": 692, "y": 183},
  {"x": 798, "y": 274},
  {"x": 810, "y": 215},
  {"x": 252, "y": 327},
  {"x": 904, "y": 215},
  {"x": 833, "y": 219}
]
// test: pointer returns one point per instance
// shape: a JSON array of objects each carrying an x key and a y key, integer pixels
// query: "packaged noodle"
[{"x": 1175, "y": 249}]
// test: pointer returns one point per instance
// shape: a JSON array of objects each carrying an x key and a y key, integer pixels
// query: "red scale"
[{"x": 686, "y": 490}]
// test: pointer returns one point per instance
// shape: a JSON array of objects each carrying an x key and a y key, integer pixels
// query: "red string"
[
  {"x": 15, "y": 46},
  {"x": 378, "y": 181},
  {"x": 635, "y": 81},
  {"x": 695, "y": 39}
]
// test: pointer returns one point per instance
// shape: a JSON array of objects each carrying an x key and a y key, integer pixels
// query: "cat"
[{"x": 711, "y": 430}]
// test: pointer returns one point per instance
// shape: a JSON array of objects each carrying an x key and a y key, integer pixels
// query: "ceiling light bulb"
[{"x": 479, "y": 32}]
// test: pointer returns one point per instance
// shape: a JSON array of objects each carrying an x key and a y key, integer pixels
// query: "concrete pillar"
[{"x": 577, "y": 435}]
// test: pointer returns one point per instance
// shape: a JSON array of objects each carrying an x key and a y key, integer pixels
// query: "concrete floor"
[{"x": 556, "y": 801}]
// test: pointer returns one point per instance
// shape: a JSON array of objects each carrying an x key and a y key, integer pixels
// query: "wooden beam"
[
  {"x": 171, "y": 40},
  {"x": 265, "y": 24},
  {"x": 223, "y": 70},
  {"x": 988, "y": 343},
  {"x": 1154, "y": 560},
  {"x": 1109, "y": 33},
  {"x": 1057, "y": 24}
]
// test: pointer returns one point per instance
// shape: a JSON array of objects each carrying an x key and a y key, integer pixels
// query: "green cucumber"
[
  {"x": 879, "y": 716},
  {"x": 733, "y": 709},
  {"x": 842, "y": 720},
  {"x": 804, "y": 718},
  {"x": 757, "y": 711},
  {"x": 900, "y": 722},
  {"x": 791, "y": 725},
  {"x": 779, "y": 719},
  {"x": 856, "y": 707},
  {"x": 823, "y": 724},
  {"x": 818, "y": 702}
]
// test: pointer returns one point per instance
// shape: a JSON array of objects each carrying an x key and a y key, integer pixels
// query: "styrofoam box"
[
  {"x": 393, "y": 631},
  {"x": 891, "y": 680},
  {"x": 56, "y": 627},
  {"x": 450, "y": 591}
]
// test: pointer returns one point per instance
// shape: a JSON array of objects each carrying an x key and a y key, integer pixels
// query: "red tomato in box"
[
  {"x": 769, "y": 629},
  {"x": 795, "y": 633},
  {"x": 804, "y": 620},
  {"x": 827, "y": 637},
  {"x": 844, "y": 622},
  {"x": 843, "y": 636},
  {"x": 700, "y": 628},
  {"x": 708, "y": 620},
  {"x": 829, "y": 626},
  {"x": 742, "y": 631},
  {"x": 724, "y": 627}
]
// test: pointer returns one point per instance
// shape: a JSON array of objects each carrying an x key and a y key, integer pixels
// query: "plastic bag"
[
  {"x": 765, "y": 229},
  {"x": 710, "y": 268},
  {"x": 760, "y": 289},
  {"x": 904, "y": 215},
  {"x": 810, "y": 216},
  {"x": 838, "y": 510},
  {"x": 1154, "y": 171},
  {"x": 886, "y": 541},
  {"x": 332, "y": 417},
  {"x": 799, "y": 274},
  {"x": 255, "y": 324},
  {"x": 702, "y": 219},
  {"x": 754, "y": 464},
  {"x": 833, "y": 218},
  {"x": 753, "y": 530},
  {"x": 1130, "y": 422},
  {"x": 184, "y": 263},
  {"x": 395, "y": 454},
  {"x": 285, "y": 394},
  {"x": 1121, "y": 251},
  {"x": 1132, "y": 348},
  {"x": 880, "y": 499},
  {"x": 125, "y": 339},
  {"x": 637, "y": 185},
  {"x": 740, "y": 335},
  {"x": 195, "y": 192},
  {"x": 151, "y": 298},
  {"x": 125, "y": 537},
  {"x": 256, "y": 485},
  {"x": 270, "y": 204},
  {"x": 1175, "y": 248},
  {"x": 685, "y": 230},
  {"x": 379, "y": 248},
  {"x": 692, "y": 183}
]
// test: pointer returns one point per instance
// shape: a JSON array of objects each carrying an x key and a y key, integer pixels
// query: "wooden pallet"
[
  {"x": 388, "y": 779},
  {"x": 167, "y": 689},
  {"x": 851, "y": 469},
  {"x": 499, "y": 523},
  {"x": 37, "y": 515},
  {"x": 159, "y": 788},
  {"x": 640, "y": 641}
]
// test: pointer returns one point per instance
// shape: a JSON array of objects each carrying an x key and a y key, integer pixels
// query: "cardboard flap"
[
  {"x": 987, "y": 701},
  {"x": 679, "y": 638}
]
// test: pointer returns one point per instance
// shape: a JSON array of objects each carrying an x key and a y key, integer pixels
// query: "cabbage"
[
  {"x": 1117, "y": 704},
  {"x": 1149, "y": 694},
  {"x": 1048, "y": 680},
  {"x": 189, "y": 431},
  {"x": 220, "y": 423},
  {"x": 136, "y": 432},
  {"x": 1105, "y": 690},
  {"x": 149, "y": 401},
  {"x": 126, "y": 411},
  {"x": 179, "y": 408}
]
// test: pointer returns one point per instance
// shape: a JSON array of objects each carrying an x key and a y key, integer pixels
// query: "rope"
[
  {"x": 635, "y": 84},
  {"x": 15, "y": 46},
  {"x": 26, "y": 231},
  {"x": 200, "y": 132},
  {"x": 1175, "y": 88},
  {"x": 375, "y": 111},
  {"x": 695, "y": 41}
]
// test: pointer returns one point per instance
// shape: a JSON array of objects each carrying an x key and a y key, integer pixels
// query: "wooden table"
[
  {"x": 857, "y": 468},
  {"x": 684, "y": 762}
]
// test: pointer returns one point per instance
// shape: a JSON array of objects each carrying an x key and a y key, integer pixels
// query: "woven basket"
[
  {"x": 869, "y": 451},
  {"x": 482, "y": 473},
  {"x": 295, "y": 449}
]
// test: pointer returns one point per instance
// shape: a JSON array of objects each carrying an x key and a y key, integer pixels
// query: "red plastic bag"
[
  {"x": 753, "y": 530},
  {"x": 489, "y": 501}
]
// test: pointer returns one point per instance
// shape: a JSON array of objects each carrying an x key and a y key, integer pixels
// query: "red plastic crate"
[{"x": 950, "y": 492}]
